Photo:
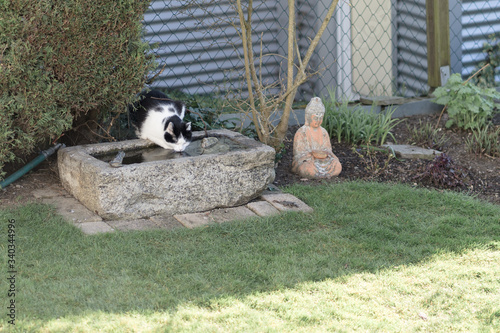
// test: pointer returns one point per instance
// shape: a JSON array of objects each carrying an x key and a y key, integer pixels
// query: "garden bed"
[{"x": 482, "y": 172}]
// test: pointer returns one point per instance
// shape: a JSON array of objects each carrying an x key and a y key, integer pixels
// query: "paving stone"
[
  {"x": 72, "y": 210},
  {"x": 128, "y": 225},
  {"x": 286, "y": 202},
  {"x": 217, "y": 215},
  {"x": 49, "y": 192},
  {"x": 166, "y": 222},
  {"x": 423, "y": 106},
  {"x": 383, "y": 100},
  {"x": 409, "y": 152},
  {"x": 263, "y": 208},
  {"x": 405, "y": 106},
  {"x": 92, "y": 228},
  {"x": 230, "y": 214},
  {"x": 193, "y": 220},
  {"x": 296, "y": 118},
  {"x": 90, "y": 223}
]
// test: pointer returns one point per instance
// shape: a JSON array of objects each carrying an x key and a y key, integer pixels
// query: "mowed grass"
[{"x": 372, "y": 257}]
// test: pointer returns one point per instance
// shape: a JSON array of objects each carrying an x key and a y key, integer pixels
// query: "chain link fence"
[{"x": 370, "y": 47}]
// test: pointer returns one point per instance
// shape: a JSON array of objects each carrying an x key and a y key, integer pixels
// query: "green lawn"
[{"x": 372, "y": 257}]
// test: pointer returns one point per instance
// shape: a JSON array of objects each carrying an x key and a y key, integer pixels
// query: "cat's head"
[{"x": 177, "y": 134}]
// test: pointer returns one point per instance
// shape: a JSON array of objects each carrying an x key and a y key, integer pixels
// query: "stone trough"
[{"x": 180, "y": 185}]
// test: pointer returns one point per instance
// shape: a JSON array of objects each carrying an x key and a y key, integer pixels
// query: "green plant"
[
  {"x": 281, "y": 151},
  {"x": 203, "y": 118},
  {"x": 426, "y": 135},
  {"x": 66, "y": 63},
  {"x": 376, "y": 160},
  {"x": 484, "y": 141},
  {"x": 204, "y": 112},
  {"x": 468, "y": 105},
  {"x": 486, "y": 79},
  {"x": 354, "y": 125},
  {"x": 202, "y": 101}
]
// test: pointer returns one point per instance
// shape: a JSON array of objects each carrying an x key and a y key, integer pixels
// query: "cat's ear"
[
  {"x": 170, "y": 129},
  {"x": 188, "y": 126}
]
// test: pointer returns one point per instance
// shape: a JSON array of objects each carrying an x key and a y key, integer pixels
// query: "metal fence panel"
[
  {"x": 370, "y": 47},
  {"x": 411, "y": 71},
  {"x": 480, "y": 20},
  {"x": 200, "y": 50}
]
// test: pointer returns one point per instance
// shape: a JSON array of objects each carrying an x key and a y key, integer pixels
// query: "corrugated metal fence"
[
  {"x": 200, "y": 48},
  {"x": 371, "y": 47},
  {"x": 479, "y": 20}
]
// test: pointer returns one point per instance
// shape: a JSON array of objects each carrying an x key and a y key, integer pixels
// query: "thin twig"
[
  {"x": 301, "y": 75},
  {"x": 54, "y": 142},
  {"x": 245, "y": 35},
  {"x": 112, "y": 122},
  {"x": 204, "y": 123},
  {"x": 476, "y": 73},
  {"x": 108, "y": 137},
  {"x": 151, "y": 80},
  {"x": 440, "y": 115}
]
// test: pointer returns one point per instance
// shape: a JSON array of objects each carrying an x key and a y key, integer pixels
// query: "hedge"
[{"x": 63, "y": 59}]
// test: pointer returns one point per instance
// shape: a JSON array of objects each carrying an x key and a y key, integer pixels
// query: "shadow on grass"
[{"x": 356, "y": 227}]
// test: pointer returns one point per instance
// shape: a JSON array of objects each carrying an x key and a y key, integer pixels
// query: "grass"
[{"x": 372, "y": 257}]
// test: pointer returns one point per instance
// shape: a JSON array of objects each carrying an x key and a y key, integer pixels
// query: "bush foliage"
[
  {"x": 486, "y": 78},
  {"x": 62, "y": 60}
]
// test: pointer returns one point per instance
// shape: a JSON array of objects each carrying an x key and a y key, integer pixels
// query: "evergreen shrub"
[{"x": 62, "y": 60}]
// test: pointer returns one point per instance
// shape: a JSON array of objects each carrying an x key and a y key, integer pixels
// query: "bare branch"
[
  {"x": 320, "y": 32},
  {"x": 244, "y": 36},
  {"x": 262, "y": 103},
  {"x": 301, "y": 75}
]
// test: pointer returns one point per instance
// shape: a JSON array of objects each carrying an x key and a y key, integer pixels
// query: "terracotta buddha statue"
[{"x": 312, "y": 150}]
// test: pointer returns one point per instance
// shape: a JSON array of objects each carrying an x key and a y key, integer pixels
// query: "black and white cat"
[{"x": 159, "y": 119}]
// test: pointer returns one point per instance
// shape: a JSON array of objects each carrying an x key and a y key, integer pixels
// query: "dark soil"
[
  {"x": 469, "y": 173},
  {"x": 477, "y": 176}
]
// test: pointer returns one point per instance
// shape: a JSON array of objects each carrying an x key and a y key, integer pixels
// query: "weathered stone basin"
[{"x": 171, "y": 186}]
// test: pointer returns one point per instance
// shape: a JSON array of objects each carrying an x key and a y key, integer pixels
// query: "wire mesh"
[{"x": 370, "y": 47}]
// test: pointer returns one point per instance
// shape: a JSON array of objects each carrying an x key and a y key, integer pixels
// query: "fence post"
[{"x": 438, "y": 40}]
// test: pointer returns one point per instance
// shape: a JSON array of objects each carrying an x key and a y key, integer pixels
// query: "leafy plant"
[
  {"x": 484, "y": 141},
  {"x": 204, "y": 112},
  {"x": 354, "y": 125},
  {"x": 468, "y": 105},
  {"x": 426, "y": 135},
  {"x": 202, "y": 118},
  {"x": 280, "y": 153},
  {"x": 486, "y": 79},
  {"x": 442, "y": 171}
]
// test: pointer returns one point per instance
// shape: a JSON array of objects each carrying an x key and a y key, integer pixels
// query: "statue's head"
[{"x": 315, "y": 110}]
